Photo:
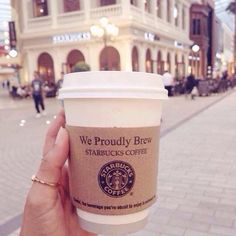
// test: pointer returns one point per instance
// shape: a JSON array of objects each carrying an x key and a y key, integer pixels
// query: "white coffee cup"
[{"x": 113, "y": 119}]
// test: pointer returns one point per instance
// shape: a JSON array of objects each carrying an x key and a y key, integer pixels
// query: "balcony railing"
[
  {"x": 108, "y": 11},
  {"x": 39, "y": 22},
  {"x": 136, "y": 13},
  {"x": 69, "y": 17}
]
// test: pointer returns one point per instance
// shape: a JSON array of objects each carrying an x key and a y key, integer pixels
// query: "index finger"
[{"x": 53, "y": 131}]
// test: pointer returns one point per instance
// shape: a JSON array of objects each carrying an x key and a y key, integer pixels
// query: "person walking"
[
  {"x": 168, "y": 81},
  {"x": 37, "y": 94},
  {"x": 190, "y": 86}
]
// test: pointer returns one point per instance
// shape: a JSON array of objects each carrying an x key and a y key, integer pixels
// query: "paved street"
[{"x": 197, "y": 168}]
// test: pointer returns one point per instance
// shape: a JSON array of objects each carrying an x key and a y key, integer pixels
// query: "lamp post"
[
  {"x": 105, "y": 31},
  {"x": 195, "y": 49}
]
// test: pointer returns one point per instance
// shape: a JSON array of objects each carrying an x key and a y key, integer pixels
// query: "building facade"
[
  {"x": 227, "y": 56},
  {"x": 54, "y": 35},
  {"x": 202, "y": 28}
]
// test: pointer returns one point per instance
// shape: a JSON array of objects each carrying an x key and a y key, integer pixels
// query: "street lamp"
[
  {"x": 105, "y": 31},
  {"x": 13, "y": 53},
  {"x": 195, "y": 58},
  {"x": 195, "y": 48}
]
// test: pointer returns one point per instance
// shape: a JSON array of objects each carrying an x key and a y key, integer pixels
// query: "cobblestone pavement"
[{"x": 197, "y": 180}]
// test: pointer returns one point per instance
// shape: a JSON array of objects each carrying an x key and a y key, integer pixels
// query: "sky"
[
  {"x": 5, "y": 11},
  {"x": 226, "y": 17}
]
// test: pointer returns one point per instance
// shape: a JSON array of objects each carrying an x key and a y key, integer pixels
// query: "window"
[
  {"x": 135, "y": 64},
  {"x": 46, "y": 67},
  {"x": 147, "y": 5},
  {"x": 159, "y": 63},
  {"x": 168, "y": 11},
  {"x": 176, "y": 15},
  {"x": 71, "y": 5},
  {"x": 107, "y": 2},
  {"x": 168, "y": 62},
  {"x": 158, "y": 8},
  {"x": 74, "y": 57},
  {"x": 148, "y": 62},
  {"x": 109, "y": 59},
  {"x": 40, "y": 8},
  {"x": 183, "y": 18},
  {"x": 196, "y": 26},
  {"x": 134, "y": 2}
]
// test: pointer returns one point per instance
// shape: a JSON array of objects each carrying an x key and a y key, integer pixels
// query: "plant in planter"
[{"x": 81, "y": 66}]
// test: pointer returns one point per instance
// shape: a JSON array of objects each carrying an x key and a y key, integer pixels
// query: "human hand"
[{"x": 48, "y": 209}]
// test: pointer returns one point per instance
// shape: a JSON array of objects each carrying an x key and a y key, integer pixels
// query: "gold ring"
[{"x": 34, "y": 178}]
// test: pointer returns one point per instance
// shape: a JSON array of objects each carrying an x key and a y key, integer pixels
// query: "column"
[
  {"x": 164, "y": 10},
  {"x": 142, "y": 58},
  {"x": 153, "y": 7},
  {"x": 57, "y": 61},
  {"x": 141, "y": 6},
  {"x": 30, "y": 62},
  {"x": 187, "y": 19},
  {"x": 180, "y": 7},
  {"x": 125, "y": 50},
  {"x": 186, "y": 60},
  {"x": 172, "y": 62},
  {"x": 125, "y": 8},
  {"x": 53, "y": 12},
  {"x": 93, "y": 55},
  {"x": 164, "y": 58},
  {"x": 154, "y": 58},
  {"x": 87, "y": 9},
  {"x": 172, "y": 5}
]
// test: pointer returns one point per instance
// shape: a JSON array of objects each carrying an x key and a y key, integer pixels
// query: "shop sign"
[
  {"x": 178, "y": 44},
  {"x": 12, "y": 34},
  {"x": 150, "y": 36},
  {"x": 73, "y": 37}
]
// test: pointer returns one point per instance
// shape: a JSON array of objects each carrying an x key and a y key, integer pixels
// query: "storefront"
[{"x": 144, "y": 42}]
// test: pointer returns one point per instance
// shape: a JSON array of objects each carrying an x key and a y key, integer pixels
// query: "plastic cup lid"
[{"x": 113, "y": 84}]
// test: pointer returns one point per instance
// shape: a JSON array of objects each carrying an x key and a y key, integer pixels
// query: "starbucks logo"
[{"x": 116, "y": 178}]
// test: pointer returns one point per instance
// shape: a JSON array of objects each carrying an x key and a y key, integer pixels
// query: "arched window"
[
  {"x": 183, "y": 18},
  {"x": 147, "y": 5},
  {"x": 159, "y": 8},
  {"x": 40, "y": 8},
  {"x": 159, "y": 63},
  {"x": 109, "y": 59},
  {"x": 46, "y": 67},
  {"x": 176, "y": 66},
  {"x": 168, "y": 63},
  {"x": 168, "y": 8},
  {"x": 135, "y": 63},
  {"x": 134, "y": 2},
  {"x": 183, "y": 66},
  {"x": 71, "y": 5},
  {"x": 74, "y": 57},
  {"x": 148, "y": 62},
  {"x": 176, "y": 14}
]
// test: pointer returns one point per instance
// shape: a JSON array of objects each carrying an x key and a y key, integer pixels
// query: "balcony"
[
  {"x": 39, "y": 22},
  {"x": 108, "y": 11},
  {"x": 68, "y": 17},
  {"x": 136, "y": 13}
]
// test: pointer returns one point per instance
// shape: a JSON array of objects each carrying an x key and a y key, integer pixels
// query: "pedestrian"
[
  {"x": 190, "y": 86},
  {"x": 168, "y": 82},
  {"x": 8, "y": 85},
  {"x": 37, "y": 94},
  {"x": 48, "y": 209},
  {"x": 3, "y": 84}
]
